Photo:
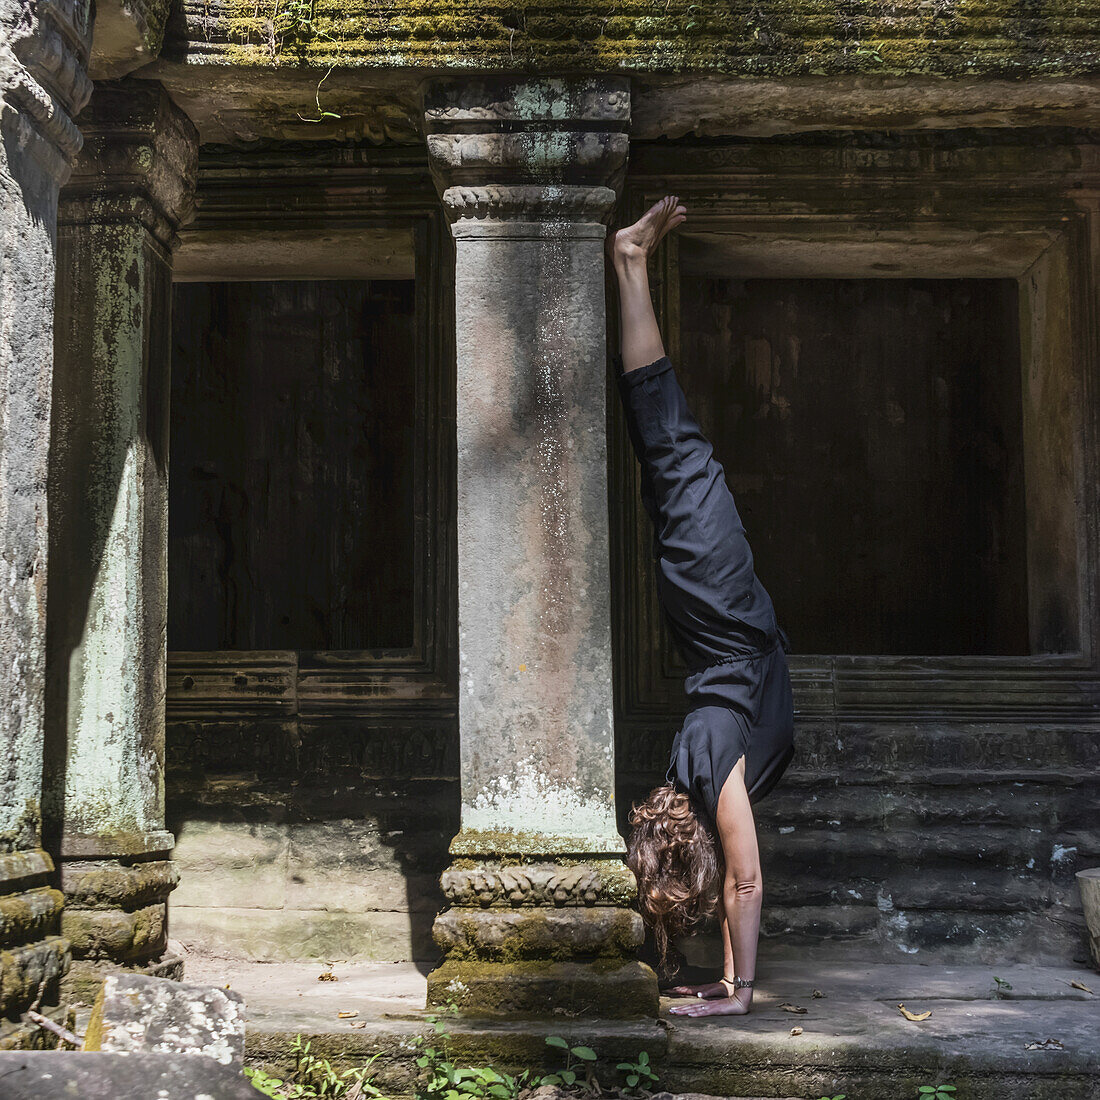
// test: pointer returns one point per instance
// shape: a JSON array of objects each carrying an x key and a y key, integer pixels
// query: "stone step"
[
  {"x": 854, "y": 1038},
  {"x": 895, "y": 747}
]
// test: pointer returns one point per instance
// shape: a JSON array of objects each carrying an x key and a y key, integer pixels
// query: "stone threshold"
[{"x": 854, "y": 1038}]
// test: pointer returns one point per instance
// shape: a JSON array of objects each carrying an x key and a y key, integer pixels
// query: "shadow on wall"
[{"x": 334, "y": 854}]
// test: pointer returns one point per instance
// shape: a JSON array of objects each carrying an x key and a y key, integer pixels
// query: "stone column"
[
  {"x": 540, "y": 917},
  {"x": 131, "y": 189},
  {"x": 43, "y": 54}
]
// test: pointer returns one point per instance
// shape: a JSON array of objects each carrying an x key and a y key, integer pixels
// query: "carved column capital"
[
  {"x": 529, "y": 150},
  {"x": 44, "y": 47},
  {"x": 139, "y": 161}
]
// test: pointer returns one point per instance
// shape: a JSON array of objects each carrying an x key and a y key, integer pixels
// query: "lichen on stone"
[{"x": 795, "y": 37}]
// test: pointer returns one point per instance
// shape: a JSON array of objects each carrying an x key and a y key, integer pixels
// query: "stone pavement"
[{"x": 1039, "y": 1038}]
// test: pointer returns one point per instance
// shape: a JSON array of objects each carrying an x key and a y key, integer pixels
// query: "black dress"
[{"x": 717, "y": 610}]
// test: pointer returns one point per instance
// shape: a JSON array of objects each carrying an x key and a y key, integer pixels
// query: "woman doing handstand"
[{"x": 693, "y": 846}]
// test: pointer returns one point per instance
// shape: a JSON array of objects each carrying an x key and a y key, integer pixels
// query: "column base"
[
  {"x": 611, "y": 989},
  {"x": 33, "y": 958},
  {"x": 541, "y": 939},
  {"x": 116, "y": 913}
]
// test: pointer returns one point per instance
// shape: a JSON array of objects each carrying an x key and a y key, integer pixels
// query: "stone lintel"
[
  {"x": 139, "y": 162},
  {"x": 128, "y": 34}
]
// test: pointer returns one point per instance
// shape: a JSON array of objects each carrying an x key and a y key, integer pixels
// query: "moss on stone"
[
  {"x": 607, "y": 988},
  {"x": 30, "y": 915},
  {"x": 796, "y": 37}
]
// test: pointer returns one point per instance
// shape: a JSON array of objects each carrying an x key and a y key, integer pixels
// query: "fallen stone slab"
[
  {"x": 137, "y": 1013},
  {"x": 62, "y": 1075}
]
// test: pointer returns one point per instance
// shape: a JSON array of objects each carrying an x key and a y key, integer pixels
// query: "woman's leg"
[
  {"x": 631, "y": 248},
  {"x": 705, "y": 578}
]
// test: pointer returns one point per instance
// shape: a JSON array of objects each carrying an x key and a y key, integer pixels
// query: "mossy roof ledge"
[
  {"x": 495, "y": 843},
  {"x": 789, "y": 37}
]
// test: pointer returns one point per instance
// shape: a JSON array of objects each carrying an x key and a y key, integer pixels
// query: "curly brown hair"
[{"x": 677, "y": 861}]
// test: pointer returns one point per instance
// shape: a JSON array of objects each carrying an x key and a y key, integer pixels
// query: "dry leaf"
[
  {"x": 818, "y": 993},
  {"x": 346, "y": 1015},
  {"x": 1045, "y": 1044},
  {"x": 915, "y": 1016},
  {"x": 788, "y": 1007},
  {"x": 1080, "y": 985},
  {"x": 796, "y": 1031},
  {"x": 327, "y": 976}
]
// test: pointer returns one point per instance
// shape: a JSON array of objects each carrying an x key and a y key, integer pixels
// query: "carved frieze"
[{"x": 486, "y": 885}]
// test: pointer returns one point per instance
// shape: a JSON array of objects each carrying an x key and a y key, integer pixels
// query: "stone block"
[
  {"x": 602, "y": 931},
  {"x": 127, "y": 35},
  {"x": 609, "y": 989},
  {"x": 24, "y": 969},
  {"x": 234, "y": 864},
  {"x": 115, "y": 934},
  {"x": 50, "y": 1075},
  {"x": 356, "y": 866},
  {"x": 282, "y": 935},
  {"x": 82, "y": 983},
  {"x": 1088, "y": 881},
  {"x": 94, "y": 884},
  {"x": 30, "y": 915},
  {"x": 481, "y": 883},
  {"x": 137, "y": 1013}
]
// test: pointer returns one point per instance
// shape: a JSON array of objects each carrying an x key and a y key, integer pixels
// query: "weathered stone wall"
[
  {"x": 306, "y": 839},
  {"x": 899, "y": 840}
]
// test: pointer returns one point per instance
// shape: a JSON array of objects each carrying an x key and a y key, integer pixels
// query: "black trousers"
[{"x": 719, "y": 614}]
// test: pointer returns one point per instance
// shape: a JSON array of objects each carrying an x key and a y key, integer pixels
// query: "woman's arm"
[{"x": 742, "y": 897}]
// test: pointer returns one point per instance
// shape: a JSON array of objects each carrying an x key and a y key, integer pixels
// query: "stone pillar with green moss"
[
  {"x": 43, "y": 83},
  {"x": 540, "y": 918},
  {"x": 131, "y": 189}
]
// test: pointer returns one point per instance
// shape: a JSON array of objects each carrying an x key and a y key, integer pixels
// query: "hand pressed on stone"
[
  {"x": 728, "y": 1006},
  {"x": 708, "y": 991}
]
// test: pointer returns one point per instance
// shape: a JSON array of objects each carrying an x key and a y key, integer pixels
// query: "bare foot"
[
  {"x": 636, "y": 242},
  {"x": 728, "y": 1006},
  {"x": 708, "y": 991}
]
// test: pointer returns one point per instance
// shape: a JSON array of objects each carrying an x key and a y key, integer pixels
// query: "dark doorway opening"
[
  {"x": 871, "y": 430},
  {"x": 292, "y": 465}
]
